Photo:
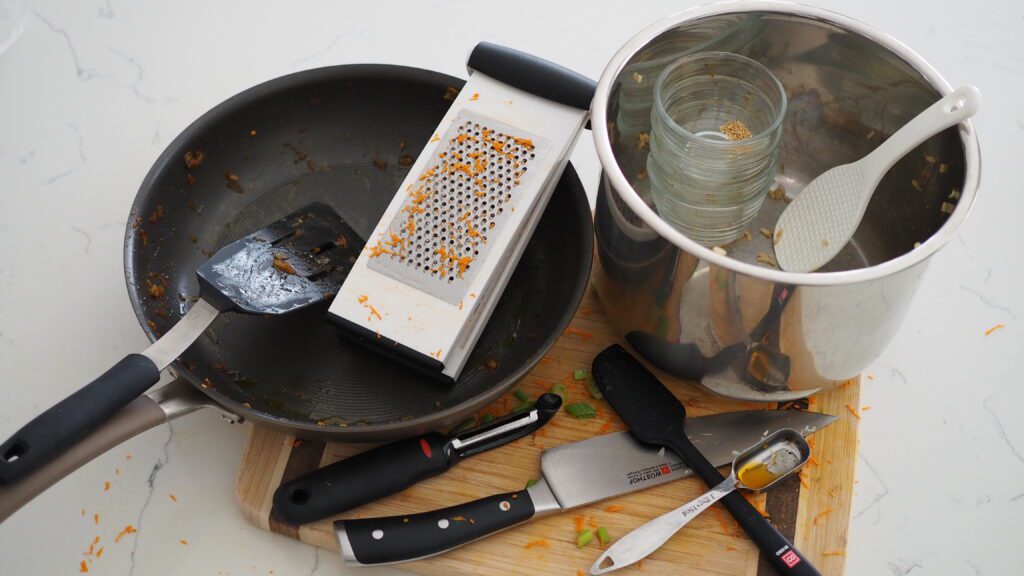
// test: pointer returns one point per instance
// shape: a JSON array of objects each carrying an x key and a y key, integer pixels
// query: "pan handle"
[
  {"x": 51, "y": 433},
  {"x": 145, "y": 412}
]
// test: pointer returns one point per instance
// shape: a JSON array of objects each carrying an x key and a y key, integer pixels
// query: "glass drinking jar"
[{"x": 715, "y": 128}]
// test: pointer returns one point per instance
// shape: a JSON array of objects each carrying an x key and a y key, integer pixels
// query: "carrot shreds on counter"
[
  {"x": 373, "y": 312},
  {"x": 106, "y": 486},
  {"x": 822, "y": 514},
  {"x": 537, "y": 544},
  {"x": 96, "y": 519},
  {"x": 83, "y": 512},
  {"x": 99, "y": 552},
  {"x": 865, "y": 408},
  {"x": 852, "y": 411},
  {"x": 173, "y": 497},
  {"x": 83, "y": 567},
  {"x": 994, "y": 328},
  {"x": 184, "y": 542},
  {"x": 129, "y": 529}
]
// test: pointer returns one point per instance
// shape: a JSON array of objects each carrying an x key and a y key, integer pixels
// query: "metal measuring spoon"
[{"x": 756, "y": 469}]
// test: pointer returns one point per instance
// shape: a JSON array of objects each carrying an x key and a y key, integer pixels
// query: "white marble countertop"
[{"x": 93, "y": 91}]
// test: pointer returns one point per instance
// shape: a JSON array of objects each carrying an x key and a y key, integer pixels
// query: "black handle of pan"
[
  {"x": 58, "y": 429},
  {"x": 532, "y": 74}
]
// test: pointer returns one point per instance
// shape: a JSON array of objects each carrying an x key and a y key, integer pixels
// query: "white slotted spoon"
[{"x": 826, "y": 213}]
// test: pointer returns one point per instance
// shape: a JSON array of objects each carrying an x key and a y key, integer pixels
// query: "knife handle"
[
  {"x": 394, "y": 539},
  {"x": 363, "y": 478},
  {"x": 783, "y": 556}
]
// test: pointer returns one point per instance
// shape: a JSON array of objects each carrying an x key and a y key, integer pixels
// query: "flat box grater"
[{"x": 438, "y": 261}]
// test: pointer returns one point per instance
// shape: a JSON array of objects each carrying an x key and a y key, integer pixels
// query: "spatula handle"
[
  {"x": 954, "y": 108},
  {"x": 782, "y": 555}
]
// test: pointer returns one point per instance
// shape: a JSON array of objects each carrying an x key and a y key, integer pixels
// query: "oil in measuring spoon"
[{"x": 768, "y": 467}]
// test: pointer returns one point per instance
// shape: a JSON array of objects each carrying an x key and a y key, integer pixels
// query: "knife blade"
[
  {"x": 656, "y": 417},
  {"x": 572, "y": 475}
]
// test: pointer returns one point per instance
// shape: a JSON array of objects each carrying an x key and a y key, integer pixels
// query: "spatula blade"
[{"x": 297, "y": 261}]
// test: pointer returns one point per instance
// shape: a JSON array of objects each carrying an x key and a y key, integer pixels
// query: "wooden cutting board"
[{"x": 814, "y": 508}]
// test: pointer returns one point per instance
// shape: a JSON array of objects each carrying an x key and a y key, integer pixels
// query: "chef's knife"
[
  {"x": 656, "y": 417},
  {"x": 393, "y": 467},
  {"x": 572, "y": 475}
]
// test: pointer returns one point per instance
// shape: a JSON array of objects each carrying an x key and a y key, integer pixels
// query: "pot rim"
[{"x": 622, "y": 187}]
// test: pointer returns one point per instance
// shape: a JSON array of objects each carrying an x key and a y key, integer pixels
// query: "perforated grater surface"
[{"x": 440, "y": 257}]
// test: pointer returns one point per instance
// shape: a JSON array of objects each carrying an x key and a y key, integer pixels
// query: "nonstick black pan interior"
[{"x": 344, "y": 136}]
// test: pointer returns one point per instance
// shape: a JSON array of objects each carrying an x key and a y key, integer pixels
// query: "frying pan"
[{"x": 344, "y": 136}]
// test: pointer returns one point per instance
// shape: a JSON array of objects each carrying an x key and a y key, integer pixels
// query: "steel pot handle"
[{"x": 147, "y": 411}]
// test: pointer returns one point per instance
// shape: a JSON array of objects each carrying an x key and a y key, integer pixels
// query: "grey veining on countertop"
[{"x": 93, "y": 91}]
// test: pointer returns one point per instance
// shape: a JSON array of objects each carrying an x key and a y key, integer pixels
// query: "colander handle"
[{"x": 532, "y": 74}]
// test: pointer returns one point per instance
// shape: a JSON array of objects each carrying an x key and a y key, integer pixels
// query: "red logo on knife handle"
[
  {"x": 425, "y": 447},
  {"x": 790, "y": 559},
  {"x": 665, "y": 469}
]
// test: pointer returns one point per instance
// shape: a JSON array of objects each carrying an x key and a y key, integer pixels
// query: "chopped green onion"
[
  {"x": 531, "y": 482},
  {"x": 562, "y": 390},
  {"x": 464, "y": 425},
  {"x": 602, "y": 535},
  {"x": 585, "y": 537},
  {"x": 487, "y": 419},
  {"x": 595, "y": 392},
  {"x": 581, "y": 410},
  {"x": 520, "y": 395},
  {"x": 579, "y": 374}
]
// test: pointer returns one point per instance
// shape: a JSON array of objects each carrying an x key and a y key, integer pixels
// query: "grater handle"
[{"x": 532, "y": 74}]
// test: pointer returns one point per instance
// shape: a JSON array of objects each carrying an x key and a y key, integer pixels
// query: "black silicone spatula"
[
  {"x": 655, "y": 416},
  {"x": 293, "y": 263}
]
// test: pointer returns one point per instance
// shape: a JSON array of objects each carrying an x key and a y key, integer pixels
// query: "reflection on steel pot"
[{"x": 736, "y": 322}]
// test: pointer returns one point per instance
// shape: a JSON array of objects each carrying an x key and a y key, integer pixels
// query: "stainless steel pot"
[{"x": 740, "y": 326}]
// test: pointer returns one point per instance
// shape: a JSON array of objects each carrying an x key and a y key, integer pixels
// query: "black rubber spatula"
[
  {"x": 295, "y": 262},
  {"x": 655, "y": 416}
]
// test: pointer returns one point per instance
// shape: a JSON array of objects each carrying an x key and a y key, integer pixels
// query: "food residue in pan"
[
  {"x": 233, "y": 183},
  {"x": 281, "y": 263},
  {"x": 194, "y": 158}
]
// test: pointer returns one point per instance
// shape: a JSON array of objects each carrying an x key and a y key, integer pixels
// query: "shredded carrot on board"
[
  {"x": 803, "y": 480},
  {"x": 579, "y": 572},
  {"x": 721, "y": 519},
  {"x": 604, "y": 428},
  {"x": 994, "y": 328},
  {"x": 731, "y": 548},
  {"x": 578, "y": 522},
  {"x": 613, "y": 508},
  {"x": 853, "y": 411},
  {"x": 129, "y": 529},
  {"x": 834, "y": 553},
  {"x": 537, "y": 543},
  {"x": 822, "y": 514},
  {"x": 577, "y": 332},
  {"x": 592, "y": 523}
]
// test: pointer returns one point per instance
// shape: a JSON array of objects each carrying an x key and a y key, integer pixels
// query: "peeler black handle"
[
  {"x": 532, "y": 74},
  {"x": 391, "y": 468}
]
